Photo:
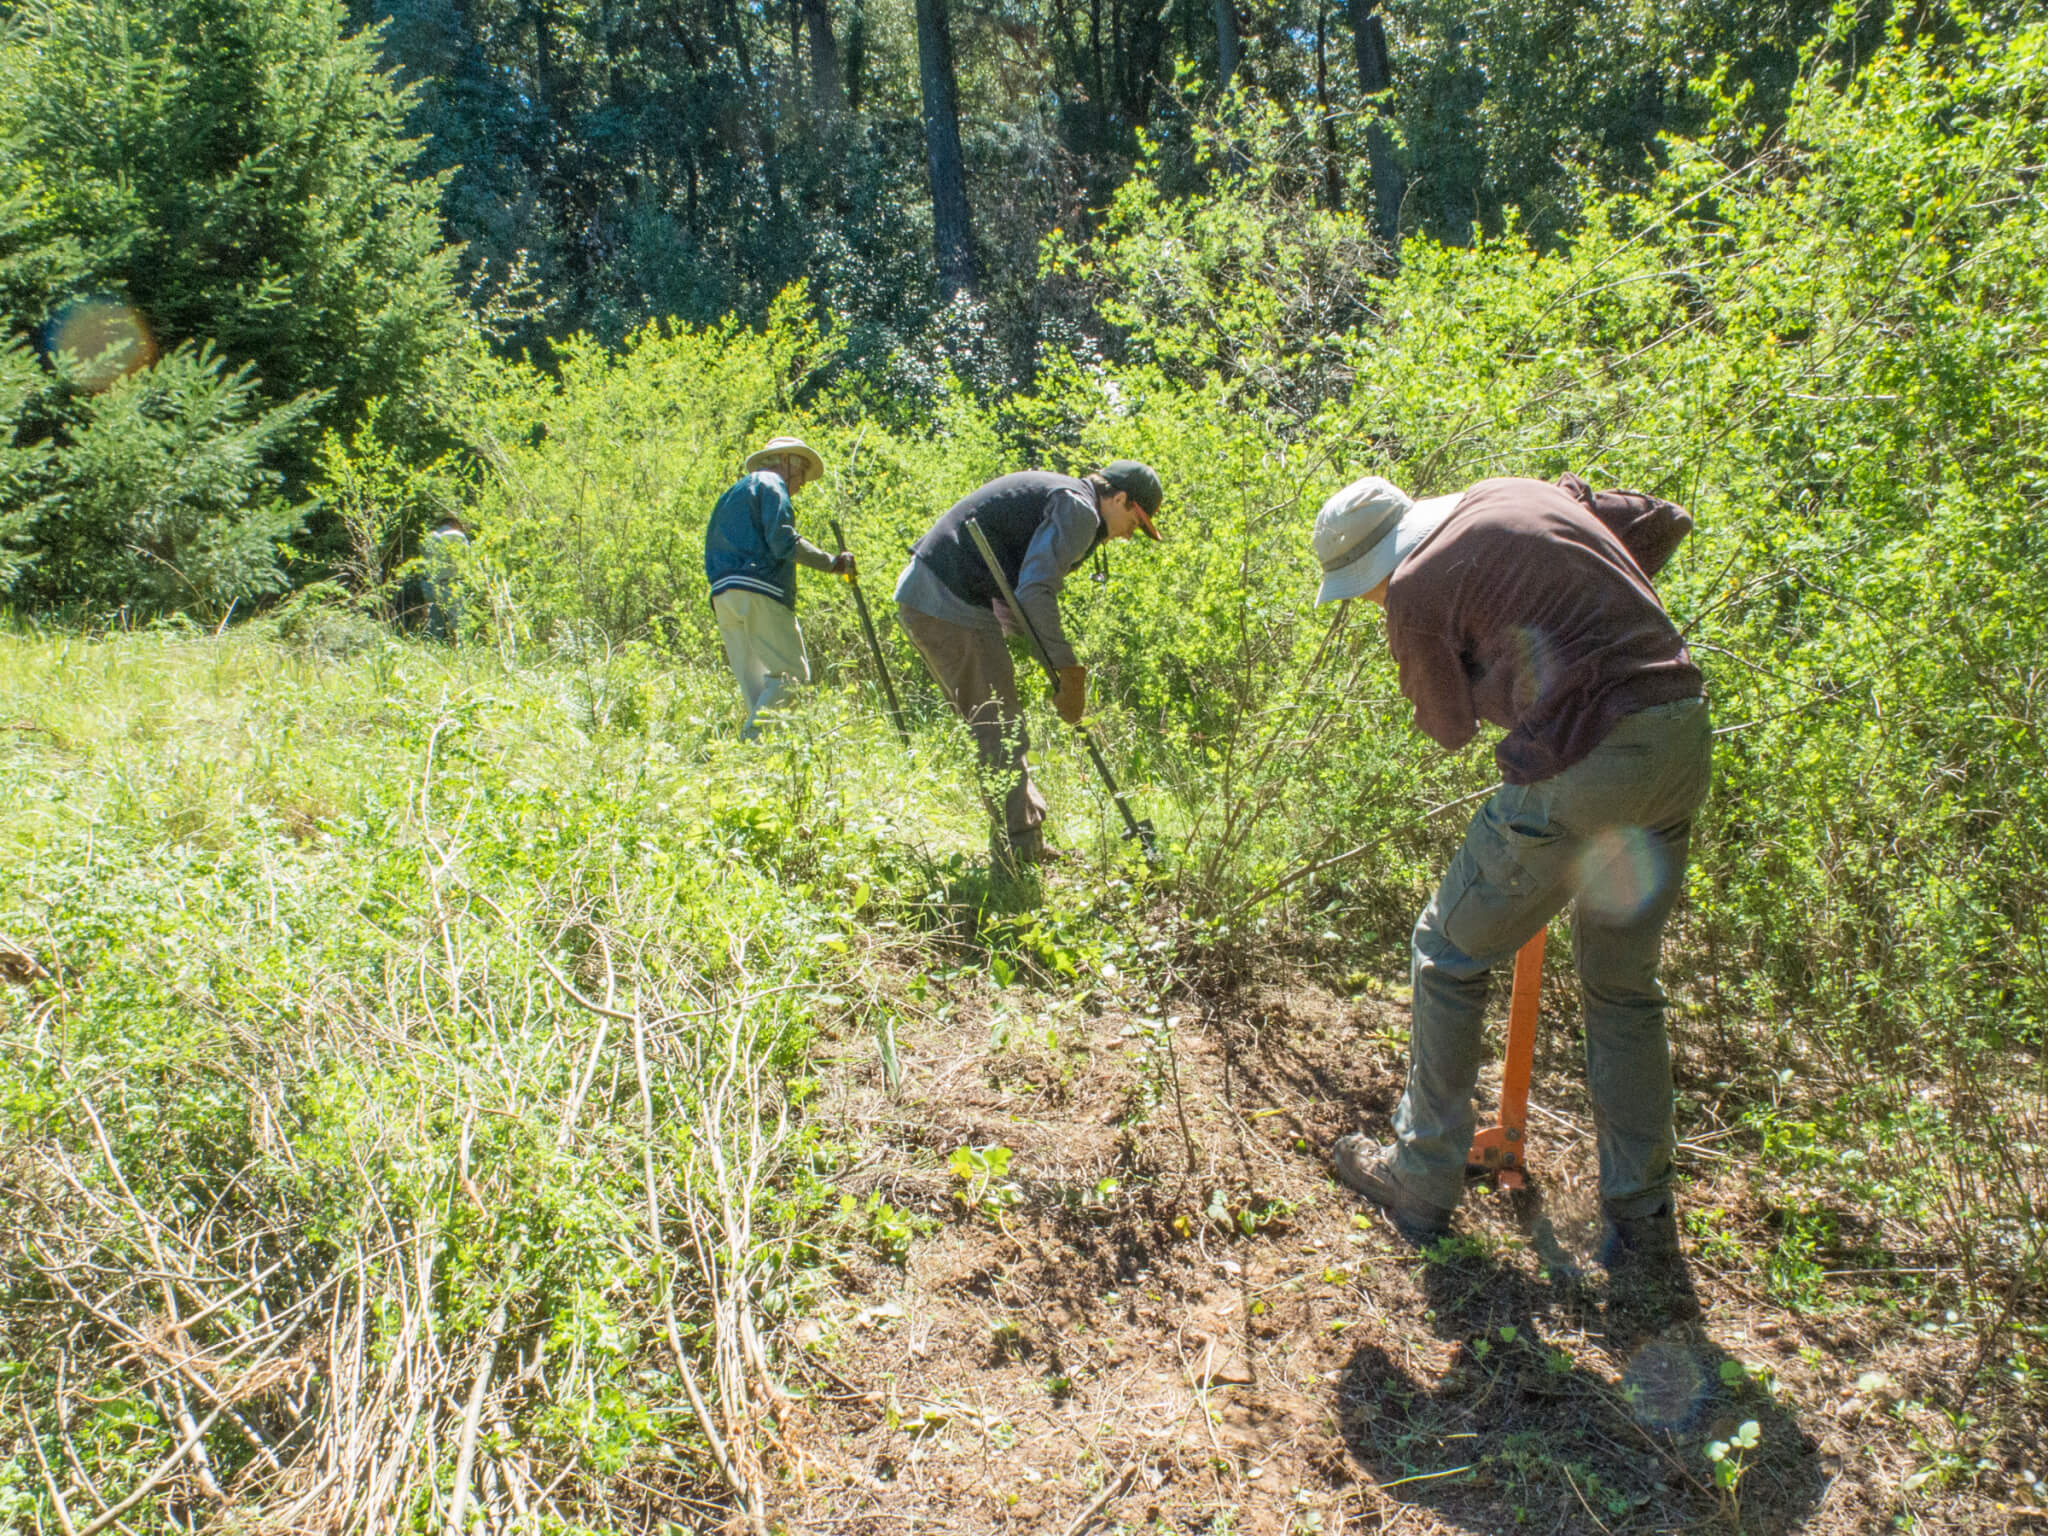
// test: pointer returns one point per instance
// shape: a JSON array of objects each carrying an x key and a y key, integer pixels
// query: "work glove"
[
  {"x": 1071, "y": 697},
  {"x": 842, "y": 563}
]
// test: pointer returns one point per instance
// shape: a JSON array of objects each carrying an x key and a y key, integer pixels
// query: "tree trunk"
[
  {"x": 1098, "y": 102},
  {"x": 543, "y": 62},
  {"x": 856, "y": 53},
  {"x": 1149, "y": 31},
  {"x": 1118, "y": 48},
  {"x": 828, "y": 96},
  {"x": 952, "y": 237},
  {"x": 796, "y": 55},
  {"x": 759, "y": 91},
  {"x": 1226, "y": 42},
  {"x": 1375, "y": 74},
  {"x": 1333, "y": 180}
]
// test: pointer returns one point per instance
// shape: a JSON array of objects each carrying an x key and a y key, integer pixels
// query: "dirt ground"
[{"x": 1163, "y": 1314}]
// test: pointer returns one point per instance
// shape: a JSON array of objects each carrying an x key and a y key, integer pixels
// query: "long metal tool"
[
  {"x": 867, "y": 627},
  {"x": 1502, "y": 1148},
  {"x": 1133, "y": 827}
]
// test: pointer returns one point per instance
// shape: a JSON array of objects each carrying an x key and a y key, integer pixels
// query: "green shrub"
[
  {"x": 24, "y": 468},
  {"x": 164, "y": 497},
  {"x": 604, "y": 475},
  {"x": 234, "y": 171}
]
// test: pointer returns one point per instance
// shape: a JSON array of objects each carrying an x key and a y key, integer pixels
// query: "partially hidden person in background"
[
  {"x": 1041, "y": 526},
  {"x": 431, "y": 597},
  {"x": 751, "y": 552},
  {"x": 1529, "y": 605}
]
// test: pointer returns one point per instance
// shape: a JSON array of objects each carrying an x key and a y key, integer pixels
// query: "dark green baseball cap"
[{"x": 1140, "y": 482}]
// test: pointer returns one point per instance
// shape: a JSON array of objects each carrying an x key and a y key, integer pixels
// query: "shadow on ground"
[{"x": 1562, "y": 1411}]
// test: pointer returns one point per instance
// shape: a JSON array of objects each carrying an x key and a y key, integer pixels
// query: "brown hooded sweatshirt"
[{"x": 1531, "y": 608}]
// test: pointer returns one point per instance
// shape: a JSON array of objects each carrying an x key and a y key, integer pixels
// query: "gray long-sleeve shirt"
[{"x": 1061, "y": 543}]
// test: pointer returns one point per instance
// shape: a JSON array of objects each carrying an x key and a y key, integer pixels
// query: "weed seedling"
[
  {"x": 982, "y": 1171},
  {"x": 1729, "y": 1457}
]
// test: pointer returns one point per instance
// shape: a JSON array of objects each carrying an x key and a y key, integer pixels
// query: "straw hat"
[{"x": 776, "y": 447}]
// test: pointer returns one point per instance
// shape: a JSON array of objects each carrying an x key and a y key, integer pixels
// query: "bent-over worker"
[
  {"x": 1529, "y": 606},
  {"x": 1041, "y": 526},
  {"x": 751, "y": 552}
]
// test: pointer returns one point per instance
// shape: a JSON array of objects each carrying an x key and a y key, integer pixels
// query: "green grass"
[
  {"x": 393, "y": 1029},
  {"x": 467, "y": 1008}
]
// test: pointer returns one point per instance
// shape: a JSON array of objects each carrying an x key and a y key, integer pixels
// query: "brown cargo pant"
[{"x": 972, "y": 668}]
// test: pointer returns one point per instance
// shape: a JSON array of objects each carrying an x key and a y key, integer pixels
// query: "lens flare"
[
  {"x": 1537, "y": 669},
  {"x": 1619, "y": 875},
  {"x": 1665, "y": 1383},
  {"x": 106, "y": 340}
]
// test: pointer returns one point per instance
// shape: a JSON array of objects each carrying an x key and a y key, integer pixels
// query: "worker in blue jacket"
[{"x": 751, "y": 552}]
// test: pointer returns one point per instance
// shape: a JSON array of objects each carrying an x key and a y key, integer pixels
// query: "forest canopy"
[{"x": 306, "y": 209}]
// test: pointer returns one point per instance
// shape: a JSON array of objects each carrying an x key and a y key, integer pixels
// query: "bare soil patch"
[{"x": 1165, "y": 1315}]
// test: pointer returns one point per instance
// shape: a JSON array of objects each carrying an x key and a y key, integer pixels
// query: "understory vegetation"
[{"x": 410, "y": 1055}]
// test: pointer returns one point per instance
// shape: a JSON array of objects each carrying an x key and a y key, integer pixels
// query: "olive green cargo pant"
[
  {"x": 1610, "y": 833},
  {"x": 973, "y": 669}
]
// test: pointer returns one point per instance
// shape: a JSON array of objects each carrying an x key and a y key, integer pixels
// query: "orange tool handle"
[{"x": 1501, "y": 1149}]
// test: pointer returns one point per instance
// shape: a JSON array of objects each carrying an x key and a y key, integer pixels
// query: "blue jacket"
[{"x": 751, "y": 541}]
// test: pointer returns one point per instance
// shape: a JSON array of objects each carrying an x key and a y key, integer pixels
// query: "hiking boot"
[
  {"x": 1645, "y": 1268},
  {"x": 1633, "y": 1239},
  {"x": 1369, "y": 1169}
]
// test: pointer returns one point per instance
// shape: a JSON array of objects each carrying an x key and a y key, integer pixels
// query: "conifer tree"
[
  {"x": 234, "y": 171},
  {"x": 214, "y": 240}
]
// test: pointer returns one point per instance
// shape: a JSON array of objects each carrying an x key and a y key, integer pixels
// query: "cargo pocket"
[{"x": 1515, "y": 856}]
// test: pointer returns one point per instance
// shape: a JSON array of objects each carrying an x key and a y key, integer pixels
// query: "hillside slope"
[{"x": 443, "y": 1092}]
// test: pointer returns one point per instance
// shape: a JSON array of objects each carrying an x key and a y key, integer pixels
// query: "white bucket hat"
[{"x": 1367, "y": 529}]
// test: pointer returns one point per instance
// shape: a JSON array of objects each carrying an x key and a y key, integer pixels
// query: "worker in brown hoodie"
[{"x": 1529, "y": 606}]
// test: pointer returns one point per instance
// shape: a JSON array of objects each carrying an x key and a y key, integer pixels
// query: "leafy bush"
[
  {"x": 164, "y": 498},
  {"x": 605, "y": 474}
]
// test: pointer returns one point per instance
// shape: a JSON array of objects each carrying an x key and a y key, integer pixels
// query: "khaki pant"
[
  {"x": 973, "y": 670},
  {"x": 1610, "y": 833},
  {"x": 764, "y": 648}
]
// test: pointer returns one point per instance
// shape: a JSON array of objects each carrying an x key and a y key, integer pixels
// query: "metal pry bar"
[{"x": 867, "y": 627}]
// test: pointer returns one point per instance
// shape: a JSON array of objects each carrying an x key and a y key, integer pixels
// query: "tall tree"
[
  {"x": 828, "y": 96},
  {"x": 1375, "y": 75},
  {"x": 227, "y": 246},
  {"x": 1226, "y": 42},
  {"x": 856, "y": 54},
  {"x": 952, "y": 231},
  {"x": 236, "y": 170},
  {"x": 1333, "y": 180}
]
